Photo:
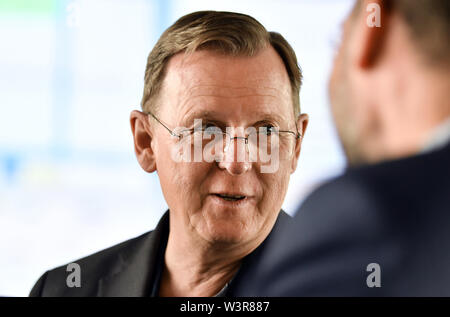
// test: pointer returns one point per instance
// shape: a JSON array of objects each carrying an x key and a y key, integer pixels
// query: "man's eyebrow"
[
  {"x": 218, "y": 118},
  {"x": 270, "y": 117},
  {"x": 202, "y": 114}
]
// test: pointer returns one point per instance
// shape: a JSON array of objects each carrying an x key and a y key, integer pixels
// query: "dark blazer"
[
  {"x": 395, "y": 214},
  {"x": 126, "y": 269}
]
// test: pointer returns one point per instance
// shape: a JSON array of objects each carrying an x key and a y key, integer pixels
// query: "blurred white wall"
[{"x": 70, "y": 73}]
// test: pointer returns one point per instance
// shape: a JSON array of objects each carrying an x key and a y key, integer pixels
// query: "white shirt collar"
[{"x": 439, "y": 137}]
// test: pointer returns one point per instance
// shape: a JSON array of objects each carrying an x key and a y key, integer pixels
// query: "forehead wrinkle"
[
  {"x": 234, "y": 97},
  {"x": 187, "y": 96},
  {"x": 213, "y": 90}
]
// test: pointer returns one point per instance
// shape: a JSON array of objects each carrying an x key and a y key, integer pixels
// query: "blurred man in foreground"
[{"x": 382, "y": 228}]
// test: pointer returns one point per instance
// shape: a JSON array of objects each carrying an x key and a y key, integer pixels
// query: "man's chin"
[
  {"x": 355, "y": 156},
  {"x": 350, "y": 144},
  {"x": 226, "y": 234},
  {"x": 351, "y": 156}
]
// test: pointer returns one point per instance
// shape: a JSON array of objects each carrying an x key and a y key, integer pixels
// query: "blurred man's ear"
[
  {"x": 302, "y": 123},
  {"x": 372, "y": 23},
  {"x": 142, "y": 135}
]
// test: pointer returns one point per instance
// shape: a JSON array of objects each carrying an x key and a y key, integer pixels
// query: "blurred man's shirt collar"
[{"x": 439, "y": 137}]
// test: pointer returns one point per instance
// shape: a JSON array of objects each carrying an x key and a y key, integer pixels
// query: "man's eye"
[
  {"x": 204, "y": 127},
  {"x": 209, "y": 125},
  {"x": 267, "y": 129},
  {"x": 211, "y": 129}
]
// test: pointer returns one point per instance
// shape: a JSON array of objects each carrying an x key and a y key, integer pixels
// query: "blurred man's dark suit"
[{"x": 396, "y": 214}]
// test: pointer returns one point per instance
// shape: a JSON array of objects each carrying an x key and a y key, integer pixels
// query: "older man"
[
  {"x": 382, "y": 228},
  {"x": 221, "y": 126}
]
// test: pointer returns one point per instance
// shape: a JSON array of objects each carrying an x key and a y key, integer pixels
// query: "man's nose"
[{"x": 235, "y": 159}]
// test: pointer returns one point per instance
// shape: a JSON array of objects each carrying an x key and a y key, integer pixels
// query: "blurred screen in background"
[{"x": 71, "y": 71}]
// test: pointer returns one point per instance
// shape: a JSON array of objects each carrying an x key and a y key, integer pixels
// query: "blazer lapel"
[{"x": 135, "y": 267}]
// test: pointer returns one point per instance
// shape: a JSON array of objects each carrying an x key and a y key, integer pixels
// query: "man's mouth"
[{"x": 230, "y": 197}]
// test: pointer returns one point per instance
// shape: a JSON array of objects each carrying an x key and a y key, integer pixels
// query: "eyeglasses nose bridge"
[
  {"x": 240, "y": 137},
  {"x": 230, "y": 138}
]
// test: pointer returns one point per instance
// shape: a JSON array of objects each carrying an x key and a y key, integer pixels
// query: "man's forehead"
[
  {"x": 238, "y": 86},
  {"x": 219, "y": 102},
  {"x": 254, "y": 89},
  {"x": 214, "y": 72}
]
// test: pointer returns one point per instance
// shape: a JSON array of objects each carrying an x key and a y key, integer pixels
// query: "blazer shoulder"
[
  {"x": 349, "y": 197},
  {"x": 36, "y": 291},
  {"x": 93, "y": 267}
]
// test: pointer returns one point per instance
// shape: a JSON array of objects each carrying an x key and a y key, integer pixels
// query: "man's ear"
[
  {"x": 142, "y": 135},
  {"x": 302, "y": 124},
  {"x": 373, "y": 25}
]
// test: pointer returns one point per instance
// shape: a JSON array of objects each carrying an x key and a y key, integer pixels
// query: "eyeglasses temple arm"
[{"x": 167, "y": 128}]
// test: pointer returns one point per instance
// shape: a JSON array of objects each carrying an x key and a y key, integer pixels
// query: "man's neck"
[
  {"x": 408, "y": 120},
  {"x": 192, "y": 269}
]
